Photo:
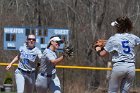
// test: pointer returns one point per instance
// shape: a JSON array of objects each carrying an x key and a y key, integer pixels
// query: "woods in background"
[{"x": 87, "y": 20}]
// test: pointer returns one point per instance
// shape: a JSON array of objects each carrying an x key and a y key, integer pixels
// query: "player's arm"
[
  {"x": 50, "y": 57},
  {"x": 101, "y": 51},
  {"x": 55, "y": 61},
  {"x": 12, "y": 62},
  {"x": 39, "y": 54},
  {"x": 99, "y": 47}
]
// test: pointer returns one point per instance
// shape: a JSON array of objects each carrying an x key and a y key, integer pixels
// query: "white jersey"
[
  {"x": 46, "y": 66},
  {"x": 121, "y": 46},
  {"x": 27, "y": 58}
]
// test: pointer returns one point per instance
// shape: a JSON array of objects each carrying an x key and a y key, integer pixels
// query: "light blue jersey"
[
  {"x": 47, "y": 78},
  {"x": 46, "y": 66},
  {"x": 27, "y": 58},
  {"x": 122, "y": 46}
]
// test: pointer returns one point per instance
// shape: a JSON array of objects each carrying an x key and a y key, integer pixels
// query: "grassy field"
[
  {"x": 7, "y": 92},
  {"x": 10, "y": 92}
]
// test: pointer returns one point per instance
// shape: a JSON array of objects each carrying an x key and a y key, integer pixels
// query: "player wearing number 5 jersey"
[
  {"x": 25, "y": 73},
  {"x": 121, "y": 47}
]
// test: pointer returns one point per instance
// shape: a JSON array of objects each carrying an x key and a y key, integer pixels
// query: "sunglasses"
[
  {"x": 33, "y": 39},
  {"x": 59, "y": 42}
]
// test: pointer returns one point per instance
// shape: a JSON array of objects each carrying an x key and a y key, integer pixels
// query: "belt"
[
  {"x": 29, "y": 72},
  {"x": 123, "y": 62},
  {"x": 48, "y": 75}
]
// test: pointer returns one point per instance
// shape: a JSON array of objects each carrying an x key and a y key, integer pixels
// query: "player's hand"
[
  {"x": 8, "y": 67},
  {"x": 68, "y": 52},
  {"x": 100, "y": 43},
  {"x": 98, "y": 48}
]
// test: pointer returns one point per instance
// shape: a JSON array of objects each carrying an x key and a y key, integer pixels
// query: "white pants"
[
  {"x": 122, "y": 77},
  {"x": 24, "y": 81},
  {"x": 43, "y": 83}
]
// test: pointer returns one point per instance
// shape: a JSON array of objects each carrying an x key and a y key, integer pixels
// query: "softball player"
[
  {"x": 47, "y": 77},
  {"x": 121, "y": 46},
  {"x": 25, "y": 73}
]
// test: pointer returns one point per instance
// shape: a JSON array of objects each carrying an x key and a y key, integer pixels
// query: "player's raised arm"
[{"x": 12, "y": 62}]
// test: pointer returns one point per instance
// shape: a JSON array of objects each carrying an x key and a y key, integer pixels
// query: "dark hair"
[
  {"x": 124, "y": 24},
  {"x": 50, "y": 42}
]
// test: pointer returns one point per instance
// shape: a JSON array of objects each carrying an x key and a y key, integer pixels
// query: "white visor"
[
  {"x": 114, "y": 23},
  {"x": 55, "y": 39}
]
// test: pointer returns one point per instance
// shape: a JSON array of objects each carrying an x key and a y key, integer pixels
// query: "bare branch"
[
  {"x": 17, "y": 5},
  {"x": 50, "y": 2},
  {"x": 138, "y": 9}
]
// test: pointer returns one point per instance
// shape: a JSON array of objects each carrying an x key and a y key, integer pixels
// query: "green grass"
[
  {"x": 10, "y": 92},
  {"x": 7, "y": 92}
]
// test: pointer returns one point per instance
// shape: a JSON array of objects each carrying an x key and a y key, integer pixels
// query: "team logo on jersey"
[{"x": 29, "y": 56}]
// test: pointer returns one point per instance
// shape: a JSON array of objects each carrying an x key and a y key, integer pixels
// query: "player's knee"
[
  {"x": 57, "y": 91},
  {"x": 19, "y": 92}
]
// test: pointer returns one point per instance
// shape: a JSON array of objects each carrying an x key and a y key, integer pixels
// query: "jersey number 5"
[{"x": 126, "y": 47}]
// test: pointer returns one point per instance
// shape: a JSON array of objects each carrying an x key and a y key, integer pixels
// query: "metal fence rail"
[{"x": 73, "y": 67}]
